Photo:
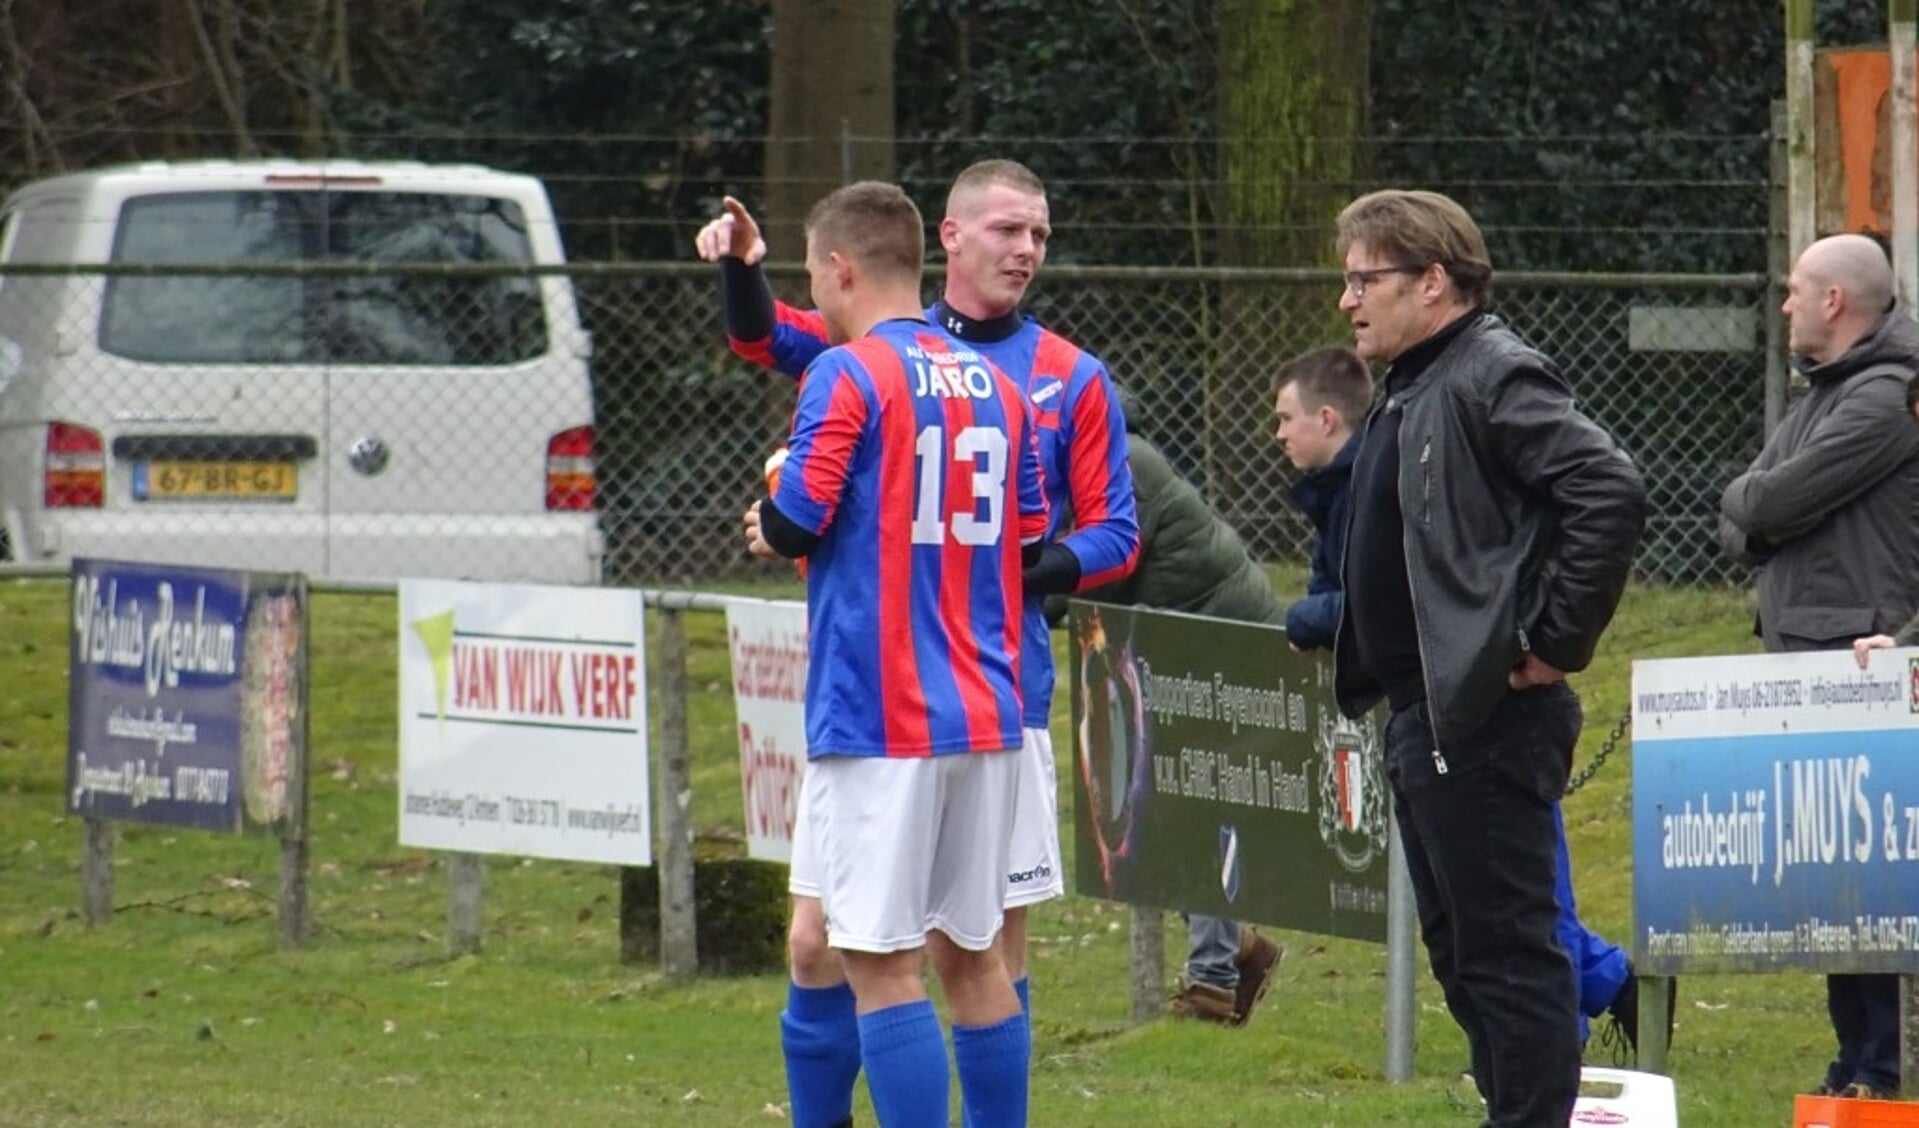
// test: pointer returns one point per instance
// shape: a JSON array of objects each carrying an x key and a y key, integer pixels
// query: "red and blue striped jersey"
[
  {"x": 1082, "y": 451},
  {"x": 916, "y": 462}
]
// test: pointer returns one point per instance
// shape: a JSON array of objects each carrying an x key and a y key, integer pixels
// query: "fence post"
[
  {"x": 1801, "y": 175},
  {"x": 1149, "y": 963},
  {"x": 294, "y": 837},
  {"x": 96, "y": 873},
  {"x": 1905, "y": 160},
  {"x": 465, "y": 902},
  {"x": 1776, "y": 268},
  {"x": 1909, "y": 1026},
  {"x": 679, "y": 949},
  {"x": 1401, "y": 923}
]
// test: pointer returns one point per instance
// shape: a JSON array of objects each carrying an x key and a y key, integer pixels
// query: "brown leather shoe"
[
  {"x": 1259, "y": 957},
  {"x": 1207, "y": 1002}
]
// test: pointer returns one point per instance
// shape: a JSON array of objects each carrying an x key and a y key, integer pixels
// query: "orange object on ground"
[{"x": 1840, "y": 1112}]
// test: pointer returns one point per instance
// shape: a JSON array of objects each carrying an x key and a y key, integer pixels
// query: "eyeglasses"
[{"x": 1358, "y": 280}]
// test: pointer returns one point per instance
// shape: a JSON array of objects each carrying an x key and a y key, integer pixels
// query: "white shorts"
[
  {"x": 905, "y": 846},
  {"x": 1034, "y": 872}
]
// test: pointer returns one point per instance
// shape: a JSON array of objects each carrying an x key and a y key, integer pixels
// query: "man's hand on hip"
[{"x": 1532, "y": 671}]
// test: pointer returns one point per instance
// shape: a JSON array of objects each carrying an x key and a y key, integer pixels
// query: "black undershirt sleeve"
[
  {"x": 783, "y": 534},
  {"x": 746, "y": 300},
  {"x": 1055, "y": 571}
]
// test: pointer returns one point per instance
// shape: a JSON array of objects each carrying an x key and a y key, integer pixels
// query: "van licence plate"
[{"x": 269, "y": 481}]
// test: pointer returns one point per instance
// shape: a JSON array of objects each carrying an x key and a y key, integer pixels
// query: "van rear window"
[{"x": 395, "y": 319}]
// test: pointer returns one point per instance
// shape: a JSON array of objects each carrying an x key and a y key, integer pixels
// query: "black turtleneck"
[
  {"x": 1379, "y": 595},
  {"x": 982, "y": 331}
]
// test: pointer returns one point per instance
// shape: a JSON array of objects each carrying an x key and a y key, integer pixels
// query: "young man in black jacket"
[{"x": 1493, "y": 526}]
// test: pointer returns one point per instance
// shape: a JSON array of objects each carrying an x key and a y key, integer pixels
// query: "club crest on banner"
[{"x": 1352, "y": 789}]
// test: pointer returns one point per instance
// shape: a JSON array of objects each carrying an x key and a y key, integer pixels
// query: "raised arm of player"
[{"x": 767, "y": 332}]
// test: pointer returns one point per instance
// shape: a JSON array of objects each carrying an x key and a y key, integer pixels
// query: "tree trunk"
[
  {"x": 830, "y": 109},
  {"x": 829, "y": 122},
  {"x": 1292, "y": 109}
]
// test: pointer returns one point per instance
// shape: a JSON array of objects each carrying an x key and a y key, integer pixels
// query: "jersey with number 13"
[{"x": 917, "y": 464}]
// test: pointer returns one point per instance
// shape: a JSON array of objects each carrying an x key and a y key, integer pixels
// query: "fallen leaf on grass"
[
  {"x": 1706, "y": 1006},
  {"x": 692, "y": 1097},
  {"x": 389, "y": 1026},
  {"x": 235, "y": 883},
  {"x": 774, "y": 1111}
]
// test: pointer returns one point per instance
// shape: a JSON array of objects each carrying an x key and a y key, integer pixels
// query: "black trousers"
[
  {"x": 1477, "y": 823},
  {"x": 1865, "y": 1016}
]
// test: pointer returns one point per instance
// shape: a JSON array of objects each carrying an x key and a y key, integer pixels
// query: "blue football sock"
[
  {"x": 820, "y": 1034},
  {"x": 904, "y": 1053},
  {"x": 994, "y": 1066}
]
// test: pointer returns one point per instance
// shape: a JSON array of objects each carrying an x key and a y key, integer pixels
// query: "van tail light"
[
  {"x": 76, "y": 468},
  {"x": 570, "y": 482}
]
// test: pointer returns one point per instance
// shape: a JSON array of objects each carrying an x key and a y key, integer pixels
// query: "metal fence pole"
[
  {"x": 1148, "y": 963},
  {"x": 1905, "y": 156},
  {"x": 295, "y": 835},
  {"x": 1777, "y": 265},
  {"x": 96, "y": 874},
  {"x": 1401, "y": 925},
  {"x": 1909, "y": 1026},
  {"x": 465, "y": 903},
  {"x": 679, "y": 949}
]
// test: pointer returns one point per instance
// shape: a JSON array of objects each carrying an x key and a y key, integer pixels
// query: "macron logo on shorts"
[{"x": 1038, "y": 873}]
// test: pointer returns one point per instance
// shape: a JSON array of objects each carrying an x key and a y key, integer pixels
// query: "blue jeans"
[
  {"x": 1477, "y": 822},
  {"x": 1212, "y": 952}
]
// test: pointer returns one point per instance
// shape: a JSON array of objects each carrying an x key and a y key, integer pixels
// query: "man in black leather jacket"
[{"x": 1500, "y": 522}]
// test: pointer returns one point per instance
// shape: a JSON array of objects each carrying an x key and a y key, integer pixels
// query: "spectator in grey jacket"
[
  {"x": 1829, "y": 512},
  {"x": 1908, "y": 635}
]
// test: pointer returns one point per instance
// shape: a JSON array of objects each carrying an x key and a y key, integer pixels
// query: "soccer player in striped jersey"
[
  {"x": 912, "y": 489},
  {"x": 994, "y": 233}
]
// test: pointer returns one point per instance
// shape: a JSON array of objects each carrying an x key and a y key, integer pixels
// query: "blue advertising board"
[
  {"x": 1776, "y": 813},
  {"x": 188, "y": 693}
]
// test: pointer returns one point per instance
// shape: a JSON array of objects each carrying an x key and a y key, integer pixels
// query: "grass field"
[{"x": 182, "y": 1011}]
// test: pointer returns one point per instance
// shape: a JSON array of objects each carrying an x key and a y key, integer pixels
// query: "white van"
[{"x": 346, "y": 423}]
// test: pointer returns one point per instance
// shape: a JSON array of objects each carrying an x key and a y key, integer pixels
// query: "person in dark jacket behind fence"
[
  {"x": 1493, "y": 526},
  {"x": 1829, "y": 512}
]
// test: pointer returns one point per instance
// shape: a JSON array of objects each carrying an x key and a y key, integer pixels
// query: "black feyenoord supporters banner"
[{"x": 1212, "y": 773}]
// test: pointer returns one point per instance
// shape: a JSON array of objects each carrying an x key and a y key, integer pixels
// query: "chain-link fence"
[
  {"x": 1675, "y": 366},
  {"x": 361, "y": 421}
]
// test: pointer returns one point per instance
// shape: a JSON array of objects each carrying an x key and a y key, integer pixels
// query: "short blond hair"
[
  {"x": 998, "y": 170},
  {"x": 873, "y": 224},
  {"x": 1417, "y": 228}
]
